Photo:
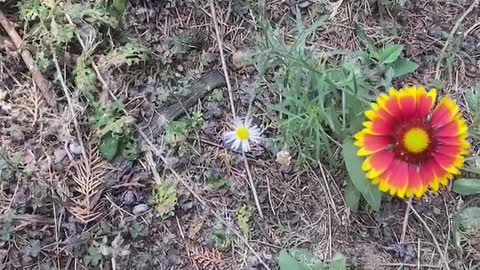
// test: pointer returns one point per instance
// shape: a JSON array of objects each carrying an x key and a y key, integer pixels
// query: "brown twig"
[
  {"x": 405, "y": 223},
  {"x": 450, "y": 37},
  {"x": 437, "y": 245},
  {"x": 222, "y": 57},
  {"x": 37, "y": 76}
]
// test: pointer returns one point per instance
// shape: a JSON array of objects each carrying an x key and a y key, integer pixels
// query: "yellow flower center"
[
  {"x": 242, "y": 133},
  {"x": 416, "y": 140}
]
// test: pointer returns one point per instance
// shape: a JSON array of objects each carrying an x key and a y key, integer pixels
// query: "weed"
[
  {"x": 243, "y": 215},
  {"x": 221, "y": 238},
  {"x": 296, "y": 258},
  {"x": 164, "y": 199},
  {"x": 323, "y": 98}
]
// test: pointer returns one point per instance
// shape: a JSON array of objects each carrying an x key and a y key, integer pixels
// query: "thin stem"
[{"x": 252, "y": 186}]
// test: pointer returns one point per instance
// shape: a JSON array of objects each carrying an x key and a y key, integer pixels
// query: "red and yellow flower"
[{"x": 409, "y": 145}]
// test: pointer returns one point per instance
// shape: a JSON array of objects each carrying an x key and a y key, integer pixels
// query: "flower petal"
[
  {"x": 395, "y": 178},
  {"x": 407, "y": 101},
  {"x": 379, "y": 126},
  {"x": 370, "y": 144},
  {"x": 415, "y": 183},
  {"x": 425, "y": 101},
  {"x": 377, "y": 163},
  {"x": 452, "y": 129},
  {"x": 449, "y": 163},
  {"x": 390, "y": 103},
  {"x": 444, "y": 113}
]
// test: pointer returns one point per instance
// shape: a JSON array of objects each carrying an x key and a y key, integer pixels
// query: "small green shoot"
[
  {"x": 244, "y": 215},
  {"x": 164, "y": 199}
]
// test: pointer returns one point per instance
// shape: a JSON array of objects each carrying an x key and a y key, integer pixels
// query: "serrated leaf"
[
  {"x": 352, "y": 196},
  {"x": 109, "y": 146},
  {"x": 390, "y": 53},
  {"x": 338, "y": 263},
  {"x": 372, "y": 195},
  {"x": 469, "y": 219},
  {"x": 403, "y": 66},
  {"x": 287, "y": 262},
  {"x": 466, "y": 186}
]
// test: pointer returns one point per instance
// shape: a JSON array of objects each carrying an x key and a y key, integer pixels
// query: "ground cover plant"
[{"x": 238, "y": 134}]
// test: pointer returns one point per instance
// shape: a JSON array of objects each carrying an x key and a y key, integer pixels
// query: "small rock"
[
  {"x": 75, "y": 148},
  {"x": 140, "y": 209},
  {"x": 59, "y": 154}
]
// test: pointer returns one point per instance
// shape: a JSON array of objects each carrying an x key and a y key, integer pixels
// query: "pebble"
[
  {"x": 75, "y": 148},
  {"x": 140, "y": 209}
]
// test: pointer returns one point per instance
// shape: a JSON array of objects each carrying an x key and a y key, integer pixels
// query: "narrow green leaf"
[
  {"x": 469, "y": 219},
  {"x": 372, "y": 195},
  {"x": 474, "y": 170},
  {"x": 109, "y": 147},
  {"x": 287, "y": 262},
  {"x": 390, "y": 53},
  {"x": 466, "y": 186},
  {"x": 338, "y": 263},
  {"x": 352, "y": 196},
  {"x": 403, "y": 66}
]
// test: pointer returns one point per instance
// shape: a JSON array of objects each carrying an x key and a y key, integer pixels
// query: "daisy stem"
[{"x": 252, "y": 186}]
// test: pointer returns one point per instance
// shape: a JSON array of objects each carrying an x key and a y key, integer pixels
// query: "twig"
[
  {"x": 335, "y": 8},
  {"x": 66, "y": 92},
  {"x": 405, "y": 223},
  {"x": 450, "y": 37},
  {"x": 199, "y": 199},
  {"x": 37, "y": 76},
  {"x": 252, "y": 186},
  {"x": 431, "y": 234},
  {"x": 423, "y": 266},
  {"x": 477, "y": 24},
  {"x": 222, "y": 57}
]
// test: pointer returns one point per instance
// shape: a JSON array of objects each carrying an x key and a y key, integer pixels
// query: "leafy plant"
[
  {"x": 221, "y": 238},
  {"x": 243, "y": 215},
  {"x": 324, "y": 94},
  {"x": 115, "y": 129},
  {"x": 164, "y": 198},
  {"x": 301, "y": 259},
  {"x": 360, "y": 182}
]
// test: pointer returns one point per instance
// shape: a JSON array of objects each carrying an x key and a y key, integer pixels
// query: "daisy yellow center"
[
  {"x": 242, "y": 133},
  {"x": 416, "y": 140}
]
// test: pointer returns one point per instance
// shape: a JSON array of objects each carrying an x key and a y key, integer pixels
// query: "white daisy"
[{"x": 239, "y": 138}]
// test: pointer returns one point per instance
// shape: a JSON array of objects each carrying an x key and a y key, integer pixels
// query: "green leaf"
[
  {"x": 307, "y": 259},
  {"x": 390, "y": 53},
  {"x": 403, "y": 66},
  {"x": 466, "y": 186},
  {"x": 118, "y": 7},
  {"x": 474, "y": 170},
  {"x": 352, "y": 196},
  {"x": 287, "y": 262},
  {"x": 372, "y": 195},
  {"x": 109, "y": 146},
  {"x": 338, "y": 263},
  {"x": 469, "y": 219}
]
